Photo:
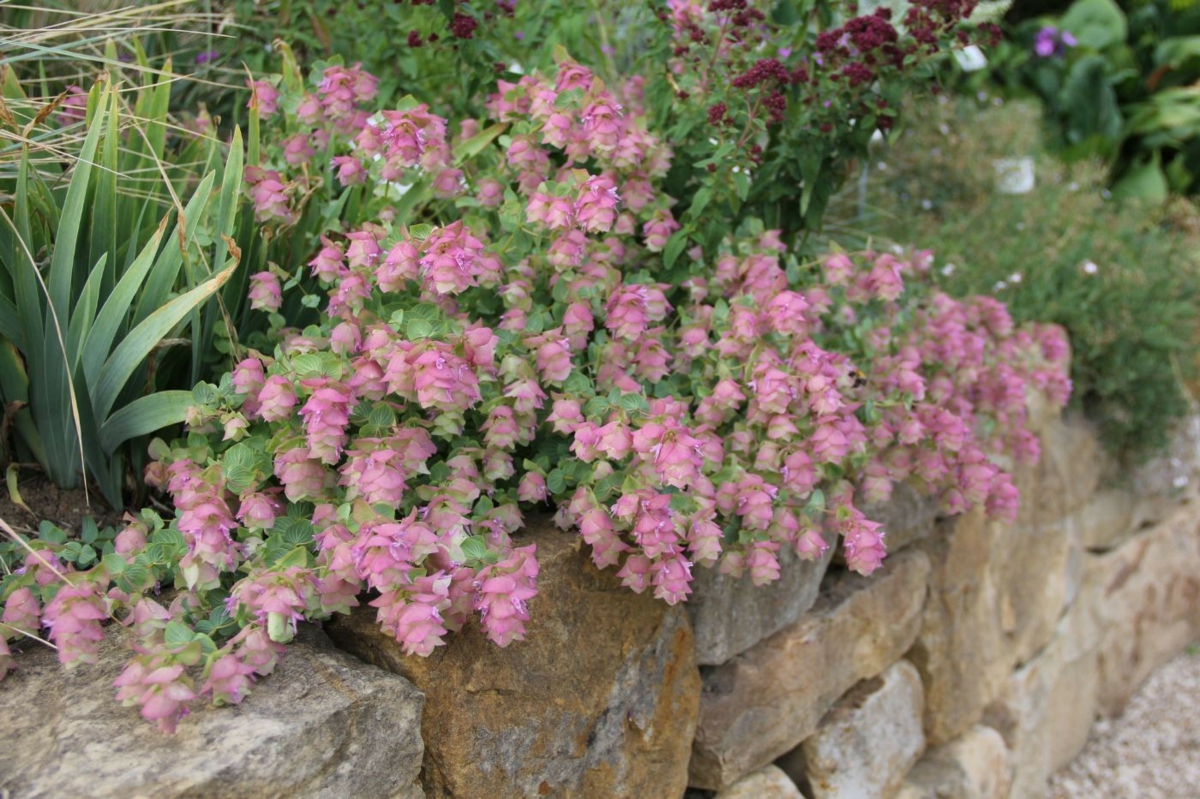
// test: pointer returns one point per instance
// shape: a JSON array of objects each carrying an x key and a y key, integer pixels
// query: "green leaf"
[
  {"x": 62, "y": 261},
  {"x": 1096, "y": 23},
  {"x": 178, "y": 634},
  {"x": 417, "y": 329},
  {"x": 296, "y": 557},
  {"x": 143, "y": 338},
  {"x": 675, "y": 246},
  {"x": 143, "y": 416},
  {"x": 114, "y": 564},
  {"x": 473, "y": 146}
]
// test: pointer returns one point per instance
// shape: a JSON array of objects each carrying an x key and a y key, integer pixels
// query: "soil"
[{"x": 66, "y": 508}]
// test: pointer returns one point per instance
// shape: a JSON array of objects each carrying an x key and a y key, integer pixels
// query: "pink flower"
[
  {"x": 266, "y": 95},
  {"x": 276, "y": 599},
  {"x": 326, "y": 418},
  {"x": 658, "y": 230},
  {"x": 73, "y": 618},
  {"x": 22, "y": 614},
  {"x": 414, "y": 617},
  {"x": 302, "y": 477},
  {"x": 597, "y": 530},
  {"x": 633, "y": 307},
  {"x": 329, "y": 263},
  {"x": 228, "y": 679},
  {"x": 596, "y": 204},
  {"x": 503, "y": 597},
  {"x": 265, "y": 292},
  {"x": 158, "y": 683},
  {"x": 350, "y": 171},
  {"x": 452, "y": 262},
  {"x": 258, "y": 511},
  {"x": 635, "y": 574},
  {"x": 276, "y": 399},
  {"x": 672, "y": 577},
  {"x": 863, "y": 543},
  {"x": 269, "y": 195}
]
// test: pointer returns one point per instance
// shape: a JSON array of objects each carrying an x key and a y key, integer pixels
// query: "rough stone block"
[
  {"x": 961, "y": 651},
  {"x": 323, "y": 726},
  {"x": 1147, "y": 603},
  {"x": 867, "y": 743},
  {"x": 600, "y": 699},
  {"x": 976, "y": 765},
  {"x": 730, "y": 615},
  {"x": 767, "y": 700},
  {"x": 769, "y": 782},
  {"x": 1046, "y": 708},
  {"x": 1106, "y": 519}
]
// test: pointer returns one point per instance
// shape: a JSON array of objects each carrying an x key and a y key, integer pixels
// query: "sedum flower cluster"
[{"x": 498, "y": 336}]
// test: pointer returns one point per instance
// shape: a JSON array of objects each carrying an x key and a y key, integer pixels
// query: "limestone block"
[
  {"x": 731, "y": 614},
  {"x": 1046, "y": 708},
  {"x": 976, "y": 765},
  {"x": 600, "y": 699},
  {"x": 867, "y": 743},
  {"x": 961, "y": 650},
  {"x": 769, "y": 782},
  {"x": 324, "y": 726},
  {"x": 1147, "y": 603},
  {"x": 1106, "y": 519},
  {"x": 767, "y": 700}
]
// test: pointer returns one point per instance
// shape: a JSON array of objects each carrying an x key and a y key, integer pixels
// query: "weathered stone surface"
[
  {"x": 600, "y": 699},
  {"x": 976, "y": 765},
  {"x": 1106, "y": 519},
  {"x": 323, "y": 725},
  {"x": 1070, "y": 469},
  {"x": 907, "y": 517},
  {"x": 1030, "y": 566},
  {"x": 1146, "y": 603},
  {"x": 769, "y": 782},
  {"x": 1047, "y": 707},
  {"x": 867, "y": 742},
  {"x": 996, "y": 594},
  {"x": 961, "y": 650},
  {"x": 730, "y": 615},
  {"x": 767, "y": 700}
]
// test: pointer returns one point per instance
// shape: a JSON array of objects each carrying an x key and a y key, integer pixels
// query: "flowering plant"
[{"x": 503, "y": 330}]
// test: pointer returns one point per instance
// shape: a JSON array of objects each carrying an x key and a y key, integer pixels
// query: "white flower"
[
  {"x": 1089, "y": 267},
  {"x": 926, "y": 204},
  {"x": 948, "y": 269},
  {"x": 1015, "y": 277},
  {"x": 1000, "y": 286},
  {"x": 881, "y": 166}
]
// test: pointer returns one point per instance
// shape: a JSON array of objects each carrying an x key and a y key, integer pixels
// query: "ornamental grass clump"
[{"x": 496, "y": 338}]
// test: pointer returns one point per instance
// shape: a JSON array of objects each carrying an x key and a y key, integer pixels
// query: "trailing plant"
[
  {"x": 1122, "y": 277},
  {"x": 500, "y": 330}
]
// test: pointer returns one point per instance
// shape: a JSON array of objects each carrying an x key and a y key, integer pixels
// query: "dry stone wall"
[{"x": 971, "y": 666}]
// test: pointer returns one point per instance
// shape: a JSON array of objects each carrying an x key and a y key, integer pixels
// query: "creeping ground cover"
[{"x": 502, "y": 315}]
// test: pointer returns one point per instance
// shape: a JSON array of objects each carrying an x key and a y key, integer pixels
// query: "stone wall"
[{"x": 971, "y": 665}]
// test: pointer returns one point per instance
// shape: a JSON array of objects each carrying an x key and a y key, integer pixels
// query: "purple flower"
[
  {"x": 207, "y": 56},
  {"x": 1050, "y": 41}
]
